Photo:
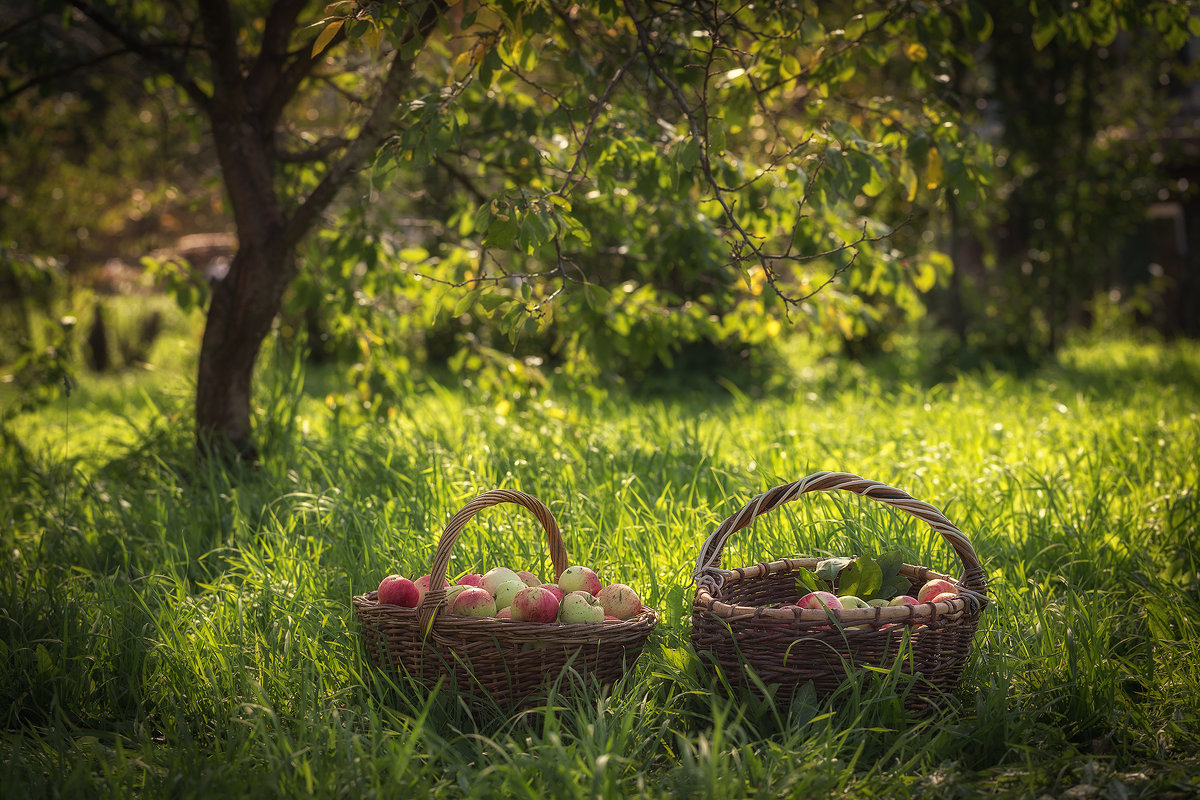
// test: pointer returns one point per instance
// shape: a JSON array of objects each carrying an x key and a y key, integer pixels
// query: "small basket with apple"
[
  {"x": 504, "y": 635},
  {"x": 785, "y": 622}
]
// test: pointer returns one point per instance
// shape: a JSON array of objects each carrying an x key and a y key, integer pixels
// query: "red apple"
[
  {"x": 610, "y": 619},
  {"x": 474, "y": 602},
  {"x": 529, "y": 578},
  {"x": 944, "y": 597},
  {"x": 619, "y": 601},
  {"x": 504, "y": 613},
  {"x": 822, "y": 600},
  {"x": 903, "y": 600},
  {"x": 553, "y": 588},
  {"x": 535, "y": 604},
  {"x": 579, "y": 579},
  {"x": 470, "y": 579},
  {"x": 399, "y": 591},
  {"x": 933, "y": 588},
  {"x": 454, "y": 591},
  {"x": 423, "y": 586}
]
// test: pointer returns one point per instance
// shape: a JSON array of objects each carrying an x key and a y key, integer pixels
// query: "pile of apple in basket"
[
  {"x": 579, "y": 597},
  {"x": 853, "y": 576}
]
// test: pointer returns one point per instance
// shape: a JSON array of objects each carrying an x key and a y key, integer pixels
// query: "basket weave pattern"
[
  {"x": 510, "y": 661},
  {"x": 738, "y": 621}
]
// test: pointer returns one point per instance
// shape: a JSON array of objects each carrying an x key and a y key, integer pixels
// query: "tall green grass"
[{"x": 168, "y": 629}]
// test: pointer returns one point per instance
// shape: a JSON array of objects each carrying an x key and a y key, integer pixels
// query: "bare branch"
[
  {"x": 68, "y": 69},
  {"x": 152, "y": 53},
  {"x": 318, "y": 152}
]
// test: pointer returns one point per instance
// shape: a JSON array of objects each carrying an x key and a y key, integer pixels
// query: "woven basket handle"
[
  {"x": 441, "y": 557},
  {"x": 708, "y": 566}
]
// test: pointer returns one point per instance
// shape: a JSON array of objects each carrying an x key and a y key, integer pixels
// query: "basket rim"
[
  {"x": 448, "y": 625},
  {"x": 706, "y": 602}
]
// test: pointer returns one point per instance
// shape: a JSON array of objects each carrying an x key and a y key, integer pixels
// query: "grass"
[{"x": 171, "y": 630}]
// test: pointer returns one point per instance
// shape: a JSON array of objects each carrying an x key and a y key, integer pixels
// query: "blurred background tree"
[{"x": 607, "y": 191}]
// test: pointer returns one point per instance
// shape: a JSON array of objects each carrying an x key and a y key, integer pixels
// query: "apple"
[
  {"x": 903, "y": 600},
  {"x": 826, "y": 600},
  {"x": 529, "y": 578},
  {"x": 619, "y": 601},
  {"x": 506, "y": 591},
  {"x": 535, "y": 604},
  {"x": 504, "y": 613},
  {"x": 877, "y": 602},
  {"x": 580, "y": 607},
  {"x": 494, "y": 577},
  {"x": 935, "y": 587},
  {"x": 423, "y": 586},
  {"x": 607, "y": 618},
  {"x": 454, "y": 591},
  {"x": 579, "y": 579},
  {"x": 944, "y": 597},
  {"x": 852, "y": 601},
  {"x": 474, "y": 602},
  {"x": 470, "y": 579},
  {"x": 397, "y": 590},
  {"x": 553, "y": 588}
]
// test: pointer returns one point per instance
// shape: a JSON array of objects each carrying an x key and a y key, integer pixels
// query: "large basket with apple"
[
  {"x": 512, "y": 663},
  {"x": 750, "y": 621}
]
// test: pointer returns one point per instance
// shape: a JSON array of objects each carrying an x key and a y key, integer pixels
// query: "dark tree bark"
[{"x": 244, "y": 110}]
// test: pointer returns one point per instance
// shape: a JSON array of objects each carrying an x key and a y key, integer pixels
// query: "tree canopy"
[{"x": 602, "y": 182}]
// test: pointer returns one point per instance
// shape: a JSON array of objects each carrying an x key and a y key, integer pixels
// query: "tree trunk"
[{"x": 244, "y": 305}]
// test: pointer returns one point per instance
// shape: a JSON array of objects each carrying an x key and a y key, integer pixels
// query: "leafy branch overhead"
[{"x": 769, "y": 137}]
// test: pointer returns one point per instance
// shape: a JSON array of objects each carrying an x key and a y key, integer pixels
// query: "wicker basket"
[
  {"x": 509, "y": 661},
  {"x": 738, "y": 621}
]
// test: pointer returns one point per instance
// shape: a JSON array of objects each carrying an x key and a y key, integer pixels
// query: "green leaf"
[
  {"x": 889, "y": 562},
  {"x": 716, "y": 137},
  {"x": 501, "y": 233},
  {"x": 466, "y": 301},
  {"x": 862, "y": 578},
  {"x": 806, "y": 582},
  {"x": 925, "y": 278},
  {"x": 828, "y": 569},
  {"x": 492, "y": 300},
  {"x": 1043, "y": 34},
  {"x": 891, "y": 587}
]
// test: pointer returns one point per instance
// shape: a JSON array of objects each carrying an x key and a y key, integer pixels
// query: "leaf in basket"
[
  {"x": 828, "y": 569},
  {"x": 807, "y": 582},
  {"x": 892, "y": 583},
  {"x": 861, "y": 578},
  {"x": 889, "y": 562},
  {"x": 891, "y": 587}
]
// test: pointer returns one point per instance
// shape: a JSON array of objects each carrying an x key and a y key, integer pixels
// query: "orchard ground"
[{"x": 170, "y": 629}]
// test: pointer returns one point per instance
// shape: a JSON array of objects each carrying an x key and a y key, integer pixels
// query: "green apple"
[
  {"x": 492, "y": 579},
  {"x": 506, "y": 591},
  {"x": 580, "y": 606},
  {"x": 852, "y": 601}
]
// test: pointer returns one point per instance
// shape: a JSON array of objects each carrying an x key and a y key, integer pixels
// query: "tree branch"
[
  {"x": 150, "y": 53},
  {"x": 221, "y": 34},
  {"x": 263, "y": 78},
  {"x": 46, "y": 77},
  {"x": 369, "y": 137}
]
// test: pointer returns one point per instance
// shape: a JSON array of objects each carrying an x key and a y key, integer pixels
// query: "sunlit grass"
[{"x": 172, "y": 630}]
